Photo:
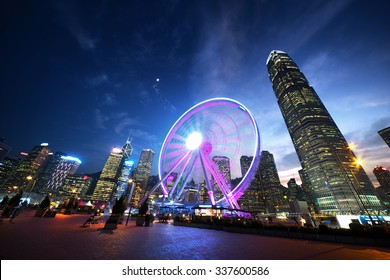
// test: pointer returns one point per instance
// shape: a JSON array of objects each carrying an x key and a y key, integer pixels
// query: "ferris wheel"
[{"x": 212, "y": 145}]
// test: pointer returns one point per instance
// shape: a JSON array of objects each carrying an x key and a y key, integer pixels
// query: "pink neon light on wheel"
[{"x": 202, "y": 151}]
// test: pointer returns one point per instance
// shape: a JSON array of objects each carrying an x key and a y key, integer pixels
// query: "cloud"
[
  {"x": 307, "y": 21},
  {"x": 143, "y": 135},
  {"x": 70, "y": 16},
  {"x": 97, "y": 80},
  {"x": 110, "y": 99},
  {"x": 100, "y": 119},
  {"x": 122, "y": 126}
]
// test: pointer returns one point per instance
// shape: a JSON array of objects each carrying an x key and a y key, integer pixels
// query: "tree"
[
  {"x": 120, "y": 206},
  {"x": 45, "y": 203},
  {"x": 5, "y": 200},
  {"x": 144, "y": 208},
  {"x": 15, "y": 200}
]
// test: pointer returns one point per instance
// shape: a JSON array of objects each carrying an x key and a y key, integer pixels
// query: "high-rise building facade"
[
  {"x": 253, "y": 198},
  {"x": 108, "y": 180},
  {"x": 126, "y": 169},
  {"x": 385, "y": 134},
  {"x": 337, "y": 182},
  {"x": 383, "y": 177},
  {"x": 53, "y": 173},
  {"x": 141, "y": 175},
  {"x": 76, "y": 185},
  {"x": 25, "y": 174},
  {"x": 268, "y": 171},
  {"x": 7, "y": 166}
]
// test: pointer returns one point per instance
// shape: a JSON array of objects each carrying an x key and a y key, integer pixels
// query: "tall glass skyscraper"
[
  {"x": 54, "y": 172},
  {"x": 338, "y": 183},
  {"x": 26, "y": 173},
  {"x": 385, "y": 134},
  {"x": 109, "y": 178},
  {"x": 141, "y": 175},
  {"x": 126, "y": 170}
]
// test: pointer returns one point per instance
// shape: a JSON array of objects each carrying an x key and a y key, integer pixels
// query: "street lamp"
[{"x": 131, "y": 181}]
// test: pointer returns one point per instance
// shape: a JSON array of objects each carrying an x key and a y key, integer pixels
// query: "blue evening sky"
[{"x": 81, "y": 75}]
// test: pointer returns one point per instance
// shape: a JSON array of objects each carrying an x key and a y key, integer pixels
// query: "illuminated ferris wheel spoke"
[
  {"x": 179, "y": 176},
  {"x": 165, "y": 191},
  {"x": 187, "y": 177},
  {"x": 219, "y": 180},
  {"x": 203, "y": 148},
  {"x": 210, "y": 189}
]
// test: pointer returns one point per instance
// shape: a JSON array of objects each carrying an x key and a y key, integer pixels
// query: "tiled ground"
[{"x": 63, "y": 237}]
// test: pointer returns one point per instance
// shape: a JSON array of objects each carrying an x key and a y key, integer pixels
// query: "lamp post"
[{"x": 131, "y": 181}]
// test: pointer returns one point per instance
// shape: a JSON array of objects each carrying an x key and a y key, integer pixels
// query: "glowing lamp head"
[
  {"x": 116, "y": 150},
  {"x": 194, "y": 141}
]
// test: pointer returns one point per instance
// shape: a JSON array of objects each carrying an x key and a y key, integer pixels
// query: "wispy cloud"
[
  {"x": 70, "y": 16},
  {"x": 97, "y": 79},
  {"x": 143, "y": 135},
  {"x": 100, "y": 119},
  {"x": 110, "y": 99},
  {"x": 122, "y": 127}
]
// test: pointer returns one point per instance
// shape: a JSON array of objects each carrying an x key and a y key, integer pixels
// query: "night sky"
[{"x": 82, "y": 75}]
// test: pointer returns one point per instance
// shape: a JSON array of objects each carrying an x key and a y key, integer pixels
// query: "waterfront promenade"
[{"x": 64, "y": 238}]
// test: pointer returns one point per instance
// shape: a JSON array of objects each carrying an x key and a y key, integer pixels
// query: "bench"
[{"x": 93, "y": 220}]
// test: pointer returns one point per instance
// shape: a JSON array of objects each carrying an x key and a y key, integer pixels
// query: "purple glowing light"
[{"x": 215, "y": 127}]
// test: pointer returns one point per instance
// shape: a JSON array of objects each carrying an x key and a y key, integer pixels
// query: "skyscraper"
[
  {"x": 385, "y": 134},
  {"x": 141, "y": 175},
  {"x": 76, "y": 184},
  {"x": 126, "y": 169},
  {"x": 26, "y": 173},
  {"x": 338, "y": 183},
  {"x": 273, "y": 192},
  {"x": 245, "y": 163},
  {"x": 383, "y": 177},
  {"x": 53, "y": 173},
  {"x": 109, "y": 178}
]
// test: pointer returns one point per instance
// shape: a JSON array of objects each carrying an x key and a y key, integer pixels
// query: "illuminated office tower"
[
  {"x": 67, "y": 165},
  {"x": 141, "y": 175},
  {"x": 52, "y": 175},
  {"x": 76, "y": 185},
  {"x": 273, "y": 192},
  {"x": 223, "y": 164},
  {"x": 252, "y": 199},
  {"x": 126, "y": 169},
  {"x": 268, "y": 171},
  {"x": 383, "y": 177},
  {"x": 338, "y": 183},
  {"x": 109, "y": 178},
  {"x": 385, "y": 134},
  {"x": 25, "y": 174},
  {"x": 245, "y": 163},
  {"x": 7, "y": 166}
]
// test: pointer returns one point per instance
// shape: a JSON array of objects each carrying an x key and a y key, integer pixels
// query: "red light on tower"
[{"x": 85, "y": 177}]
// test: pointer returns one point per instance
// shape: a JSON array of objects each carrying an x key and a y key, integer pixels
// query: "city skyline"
[{"x": 83, "y": 77}]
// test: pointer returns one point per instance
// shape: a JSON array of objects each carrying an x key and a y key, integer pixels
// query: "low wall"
[{"x": 323, "y": 237}]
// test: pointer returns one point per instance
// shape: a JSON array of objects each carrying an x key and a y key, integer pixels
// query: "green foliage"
[
  {"x": 120, "y": 206},
  {"x": 45, "y": 203}
]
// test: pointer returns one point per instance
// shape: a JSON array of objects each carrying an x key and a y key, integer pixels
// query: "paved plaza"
[{"x": 64, "y": 238}]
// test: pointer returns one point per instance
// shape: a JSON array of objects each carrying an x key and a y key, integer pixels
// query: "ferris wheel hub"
[
  {"x": 206, "y": 147},
  {"x": 194, "y": 141}
]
